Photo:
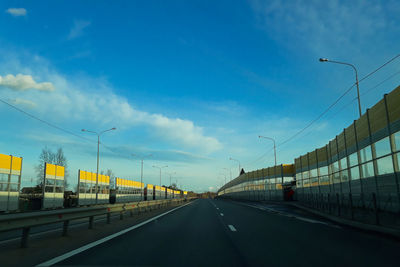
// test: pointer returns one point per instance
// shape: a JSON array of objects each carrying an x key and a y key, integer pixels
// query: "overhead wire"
[
  {"x": 58, "y": 127},
  {"x": 45, "y": 122},
  {"x": 329, "y": 108}
]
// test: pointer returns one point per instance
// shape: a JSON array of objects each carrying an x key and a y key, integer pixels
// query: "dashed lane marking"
[{"x": 233, "y": 229}]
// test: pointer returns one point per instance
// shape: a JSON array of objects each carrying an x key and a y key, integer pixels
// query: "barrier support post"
[
  {"x": 65, "y": 228},
  {"x": 91, "y": 219},
  {"x": 338, "y": 204},
  {"x": 25, "y": 237},
  {"x": 351, "y": 206},
  {"x": 376, "y": 211},
  {"x": 108, "y": 218}
]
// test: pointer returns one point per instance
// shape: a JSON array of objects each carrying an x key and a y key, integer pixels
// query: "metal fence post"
[
  {"x": 91, "y": 219},
  {"x": 65, "y": 228},
  {"x": 351, "y": 206},
  {"x": 329, "y": 203},
  {"x": 25, "y": 237},
  {"x": 376, "y": 210}
]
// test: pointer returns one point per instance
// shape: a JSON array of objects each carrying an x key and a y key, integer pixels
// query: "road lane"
[
  {"x": 198, "y": 235},
  {"x": 277, "y": 239},
  {"x": 193, "y": 234}
]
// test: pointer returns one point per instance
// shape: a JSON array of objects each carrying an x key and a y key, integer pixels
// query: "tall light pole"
[
  {"x": 230, "y": 172},
  {"x": 141, "y": 171},
  {"x": 236, "y": 161},
  {"x": 170, "y": 175},
  {"x": 273, "y": 140},
  {"x": 160, "y": 167},
  {"x": 98, "y": 152},
  {"x": 224, "y": 176},
  {"x": 355, "y": 70}
]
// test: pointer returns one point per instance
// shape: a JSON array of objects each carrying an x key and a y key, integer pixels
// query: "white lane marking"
[
  {"x": 222, "y": 214},
  {"x": 233, "y": 229},
  {"x": 217, "y": 208},
  {"x": 290, "y": 215},
  {"x": 105, "y": 239},
  {"x": 314, "y": 221}
]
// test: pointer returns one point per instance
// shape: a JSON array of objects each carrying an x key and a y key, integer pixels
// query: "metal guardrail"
[{"x": 27, "y": 220}]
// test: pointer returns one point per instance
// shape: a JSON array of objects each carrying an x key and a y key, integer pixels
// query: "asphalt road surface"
[{"x": 225, "y": 233}]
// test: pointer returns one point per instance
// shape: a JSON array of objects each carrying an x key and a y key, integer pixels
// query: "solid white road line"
[
  {"x": 222, "y": 214},
  {"x": 233, "y": 229},
  {"x": 105, "y": 239},
  {"x": 290, "y": 215}
]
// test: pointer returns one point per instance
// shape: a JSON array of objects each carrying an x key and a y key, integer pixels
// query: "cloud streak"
[
  {"x": 22, "y": 82},
  {"x": 93, "y": 102},
  {"x": 325, "y": 26},
  {"x": 78, "y": 28},
  {"x": 17, "y": 12},
  {"x": 23, "y": 102}
]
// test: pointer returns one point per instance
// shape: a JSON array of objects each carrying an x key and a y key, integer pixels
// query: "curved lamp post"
[
  {"x": 98, "y": 152},
  {"x": 273, "y": 140},
  {"x": 355, "y": 70}
]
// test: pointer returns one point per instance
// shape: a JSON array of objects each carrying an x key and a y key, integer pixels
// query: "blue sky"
[{"x": 192, "y": 82}]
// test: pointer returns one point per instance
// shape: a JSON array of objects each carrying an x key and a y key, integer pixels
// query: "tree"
[
  {"x": 60, "y": 160},
  {"x": 110, "y": 173},
  {"x": 48, "y": 156},
  {"x": 45, "y": 156}
]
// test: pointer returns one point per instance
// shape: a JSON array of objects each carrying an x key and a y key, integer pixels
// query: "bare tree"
[
  {"x": 45, "y": 156},
  {"x": 49, "y": 156},
  {"x": 110, "y": 173},
  {"x": 61, "y": 160}
]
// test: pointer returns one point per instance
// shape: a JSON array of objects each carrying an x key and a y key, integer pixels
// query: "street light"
[
  {"x": 355, "y": 70},
  {"x": 141, "y": 171},
  {"x": 98, "y": 152},
  {"x": 237, "y": 161},
  {"x": 170, "y": 175},
  {"x": 160, "y": 170},
  {"x": 230, "y": 171},
  {"x": 224, "y": 176},
  {"x": 273, "y": 140}
]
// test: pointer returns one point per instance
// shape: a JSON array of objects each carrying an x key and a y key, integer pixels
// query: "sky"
[{"x": 194, "y": 83}]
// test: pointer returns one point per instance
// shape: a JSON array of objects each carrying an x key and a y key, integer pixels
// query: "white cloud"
[
  {"x": 22, "y": 82},
  {"x": 93, "y": 101},
  {"x": 78, "y": 28},
  {"x": 327, "y": 26},
  {"x": 23, "y": 102},
  {"x": 16, "y": 12}
]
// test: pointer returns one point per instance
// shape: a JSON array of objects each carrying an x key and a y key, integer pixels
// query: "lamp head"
[{"x": 323, "y": 60}]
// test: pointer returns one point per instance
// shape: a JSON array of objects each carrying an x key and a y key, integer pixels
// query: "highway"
[{"x": 226, "y": 233}]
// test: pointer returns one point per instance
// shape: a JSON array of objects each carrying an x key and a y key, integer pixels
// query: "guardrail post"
[
  {"x": 376, "y": 211},
  {"x": 25, "y": 237},
  {"x": 91, "y": 219},
  {"x": 351, "y": 206},
  {"x": 65, "y": 228},
  {"x": 329, "y": 203},
  {"x": 108, "y": 218}
]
